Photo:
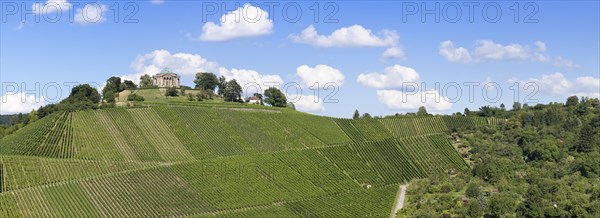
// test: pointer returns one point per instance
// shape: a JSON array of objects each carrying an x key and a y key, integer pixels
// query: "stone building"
[{"x": 166, "y": 79}]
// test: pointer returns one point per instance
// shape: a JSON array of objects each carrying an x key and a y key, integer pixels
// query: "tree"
[
  {"x": 129, "y": 85},
  {"x": 472, "y": 190},
  {"x": 172, "y": 92},
  {"x": 356, "y": 115},
  {"x": 83, "y": 93},
  {"x": 422, "y": 111},
  {"x": 146, "y": 81},
  {"x": 572, "y": 101},
  {"x": 112, "y": 88},
  {"x": 366, "y": 116},
  {"x": 222, "y": 85},
  {"x": 233, "y": 91},
  {"x": 532, "y": 206},
  {"x": 206, "y": 81},
  {"x": 190, "y": 97},
  {"x": 502, "y": 106},
  {"x": 291, "y": 105},
  {"x": 474, "y": 209},
  {"x": 467, "y": 112},
  {"x": 502, "y": 205},
  {"x": 586, "y": 139},
  {"x": 516, "y": 106},
  {"x": 275, "y": 97}
]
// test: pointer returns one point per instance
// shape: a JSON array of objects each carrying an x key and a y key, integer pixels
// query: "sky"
[{"x": 330, "y": 58}]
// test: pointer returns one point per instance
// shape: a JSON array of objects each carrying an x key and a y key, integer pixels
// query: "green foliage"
[
  {"x": 472, "y": 190},
  {"x": 516, "y": 106},
  {"x": 275, "y": 97},
  {"x": 474, "y": 209},
  {"x": 233, "y": 91},
  {"x": 190, "y": 159},
  {"x": 172, "y": 92},
  {"x": 502, "y": 204},
  {"x": 356, "y": 115},
  {"x": 422, "y": 111},
  {"x": 206, "y": 81},
  {"x": 129, "y": 85},
  {"x": 135, "y": 97},
  {"x": 572, "y": 101},
  {"x": 112, "y": 88},
  {"x": 222, "y": 85},
  {"x": 146, "y": 81}
]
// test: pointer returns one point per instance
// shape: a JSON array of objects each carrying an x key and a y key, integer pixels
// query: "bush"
[
  {"x": 472, "y": 190},
  {"x": 135, "y": 97},
  {"x": 172, "y": 91}
]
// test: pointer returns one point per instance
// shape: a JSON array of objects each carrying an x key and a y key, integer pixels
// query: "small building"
[
  {"x": 166, "y": 79},
  {"x": 253, "y": 100}
]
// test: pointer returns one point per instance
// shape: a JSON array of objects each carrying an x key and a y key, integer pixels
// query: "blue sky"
[{"x": 554, "y": 45}]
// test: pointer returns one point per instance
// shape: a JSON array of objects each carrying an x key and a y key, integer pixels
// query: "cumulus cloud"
[
  {"x": 51, "y": 6},
  {"x": 390, "y": 93},
  {"x": 398, "y": 100},
  {"x": 182, "y": 63},
  {"x": 559, "y": 61},
  {"x": 393, "y": 53},
  {"x": 251, "y": 81},
  {"x": 12, "y": 103},
  {"x": 91, "y": 13},
  {"x": 320, "y": 74},
  {"x": 488, "y": 50},
  {"x": 307, "y": 103},
  {"x": 246, "y": 21},
  {"x": 352, "y": 36},
  {"x": 556, "y": 84},
  {"x": 392, "y": 77},
  {"x": 453, "y": 54}
]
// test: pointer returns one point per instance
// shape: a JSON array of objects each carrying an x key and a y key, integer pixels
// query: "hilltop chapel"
[{"x": 166, "y": 79}]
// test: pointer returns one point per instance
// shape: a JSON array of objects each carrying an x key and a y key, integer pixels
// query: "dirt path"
[{"x": 399, "y": 204}]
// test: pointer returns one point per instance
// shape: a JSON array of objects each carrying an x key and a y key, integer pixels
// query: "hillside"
[{"x": 182, "y": 160}]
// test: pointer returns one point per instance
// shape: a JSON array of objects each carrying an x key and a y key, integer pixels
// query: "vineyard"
[{"x": 182, "y": 161}]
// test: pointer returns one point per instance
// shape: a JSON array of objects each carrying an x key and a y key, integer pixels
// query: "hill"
[{"x": 216, "y": 159}]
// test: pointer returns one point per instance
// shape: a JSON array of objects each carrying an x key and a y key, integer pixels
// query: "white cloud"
[
  {"x": 321, "y": 74},
  {"x": 398, "y": 100},
  {"x": 393, "y": 77},
  {"x": 352, "y": 36},
  {"x": 51, "y": 6},
  {"x": 556, "y": 84},
  {"x": 307, "y": 103},
  {"x": 453, "y": 54},
  {"x": 488, "y": 50},
  {"x": 246, "y": 21},
  {"x": 91, "y": 13},
  {"x": 181, "y": 63},
  {"x": 157, "y": 2},
  {"x": 11, "y": 103},
  {"x": 559, "y": 61},
  {"x": 393, "y": 53},
  {"x": 251, "y": 80}
]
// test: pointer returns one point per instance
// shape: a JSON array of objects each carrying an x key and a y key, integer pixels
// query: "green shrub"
[{"x": 135, "y": 97}]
